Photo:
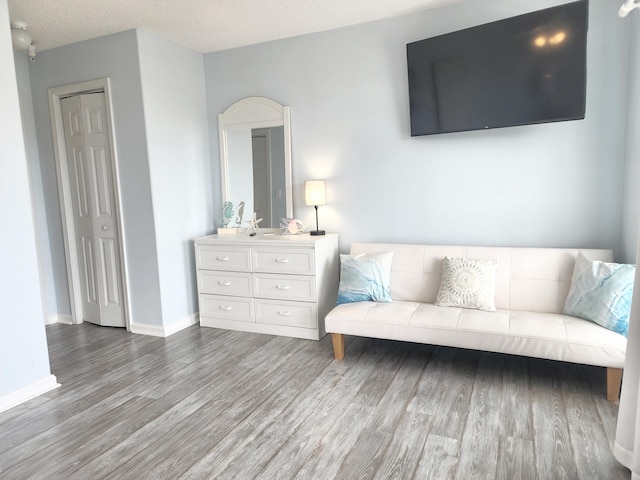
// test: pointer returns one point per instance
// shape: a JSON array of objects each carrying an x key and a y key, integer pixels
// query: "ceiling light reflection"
[{"x": 557, "y": 38}]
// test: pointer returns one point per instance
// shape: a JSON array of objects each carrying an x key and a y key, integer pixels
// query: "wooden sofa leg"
[
  {"x": 338, "y": 345},
  {"x": 614, "y": 380}
]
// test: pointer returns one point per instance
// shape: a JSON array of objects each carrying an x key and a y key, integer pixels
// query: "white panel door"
[{"x": 95, "y": 216}]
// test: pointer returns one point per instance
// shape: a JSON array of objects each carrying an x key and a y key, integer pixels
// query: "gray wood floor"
[{"x": 207, "y": 403}]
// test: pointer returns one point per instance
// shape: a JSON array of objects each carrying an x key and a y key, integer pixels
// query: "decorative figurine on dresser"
[{"x": 267, "y": 283}]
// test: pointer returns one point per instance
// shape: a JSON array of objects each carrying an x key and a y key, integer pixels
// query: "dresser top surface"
[{"x": 264, "y": 239}]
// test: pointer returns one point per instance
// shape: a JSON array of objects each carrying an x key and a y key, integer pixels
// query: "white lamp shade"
[
  {"x": 20, "y": 38},
  {"x": 315, "y": 192}
]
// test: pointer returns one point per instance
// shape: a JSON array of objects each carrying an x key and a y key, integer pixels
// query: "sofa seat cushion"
[{"x": 542, "y": 335}]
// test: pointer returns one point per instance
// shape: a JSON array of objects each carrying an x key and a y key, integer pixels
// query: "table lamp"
[{"x": 315, "y": 193}]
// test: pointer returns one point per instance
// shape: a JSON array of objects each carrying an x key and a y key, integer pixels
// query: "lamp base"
[{"x": 316, "y": 232}]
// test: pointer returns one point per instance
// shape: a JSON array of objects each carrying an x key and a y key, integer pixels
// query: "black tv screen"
[{"x": 522, "y": 70}]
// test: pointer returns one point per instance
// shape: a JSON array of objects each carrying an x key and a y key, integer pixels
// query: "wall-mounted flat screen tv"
[{"x": 522, "y": 70}]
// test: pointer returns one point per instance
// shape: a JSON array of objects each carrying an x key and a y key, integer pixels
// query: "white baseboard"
[
  {"x": 24, "y": 394},
  {"x": 182, "y": 324},
  {"x": 58, "y": 318},
  {"x": 158, "y": 331},
  {"x": 147, "y": 330}
]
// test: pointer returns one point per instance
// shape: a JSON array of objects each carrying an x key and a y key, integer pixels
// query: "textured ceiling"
[{"x": 202, "y": 25}]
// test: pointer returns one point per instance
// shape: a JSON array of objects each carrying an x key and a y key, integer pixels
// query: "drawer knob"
[
  {"x": 222, "y": 259},
  {"x": 283, "y": 287},
  {"x": 224, "y": 283},
  {"x": 282, "y": 260},
  {"x": 226, "y": 308},
  {"x": 284, "y": 313}
]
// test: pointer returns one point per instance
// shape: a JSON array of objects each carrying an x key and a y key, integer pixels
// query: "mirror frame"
[{"x": 255, "y": 112}]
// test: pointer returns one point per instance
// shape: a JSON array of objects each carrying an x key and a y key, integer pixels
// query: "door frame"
[
  {"x": 56, "y": 94},
  {"x": 266, "y": 133}
]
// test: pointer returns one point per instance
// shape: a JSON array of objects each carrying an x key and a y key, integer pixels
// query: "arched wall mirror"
[{"x": 255, "y": 154}]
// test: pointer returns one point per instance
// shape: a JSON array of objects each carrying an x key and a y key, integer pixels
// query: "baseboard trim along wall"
[
  {"x": 58, "y": 318},
  {"x": 158, "y": 331},
  {"x": 24, "y": 394},
  {"x": 182, "y": 324}
]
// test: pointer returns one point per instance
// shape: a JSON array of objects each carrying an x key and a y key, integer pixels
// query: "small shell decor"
[{"x": 292, "y": 226}]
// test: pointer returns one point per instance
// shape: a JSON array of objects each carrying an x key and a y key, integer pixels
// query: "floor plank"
[
  {"x": 403, "y": 453},
  {"x": 480, "y": 438},
  {"x": 364, "y": 457},
  {"x": 554, "y": 451},
  {"x": 439, "y": 458},
  {"x": 208, "y": 403}
]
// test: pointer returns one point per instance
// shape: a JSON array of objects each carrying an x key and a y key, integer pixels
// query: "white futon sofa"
[{"x": 531, "y": 287}]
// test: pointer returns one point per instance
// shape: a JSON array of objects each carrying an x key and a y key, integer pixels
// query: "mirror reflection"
[{"x": 256, "y": 161}]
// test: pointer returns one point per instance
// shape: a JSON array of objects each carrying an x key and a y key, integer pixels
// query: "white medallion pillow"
[
  {"x": 365, "y": 277},
  {"x": 601, "y": 292},
  {"x": 468, "y": 283}
]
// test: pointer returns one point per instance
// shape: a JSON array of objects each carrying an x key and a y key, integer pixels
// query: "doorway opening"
[{"x": 90, "y": 206}]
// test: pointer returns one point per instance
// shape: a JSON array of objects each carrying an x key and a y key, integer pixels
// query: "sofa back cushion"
[{"x": 530, "y": 279}]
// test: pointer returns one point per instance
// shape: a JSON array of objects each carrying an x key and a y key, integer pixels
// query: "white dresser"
[{"x": 275, "y": 284}]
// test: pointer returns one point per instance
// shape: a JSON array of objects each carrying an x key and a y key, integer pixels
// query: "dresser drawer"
[
  {"x": 229, "y": 308},
  {"x": 225, "y": 283},
  {"x": 223, "y": 258},
  {"x": 294, "y": 314},
  {"x": 293, "y": 261},
  {"x": 285, "y": 287}
]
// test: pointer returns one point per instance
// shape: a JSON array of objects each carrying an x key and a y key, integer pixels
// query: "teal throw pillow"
[
  {"x": 365, "y": 277},
  {"x": 601, "y": 292}
]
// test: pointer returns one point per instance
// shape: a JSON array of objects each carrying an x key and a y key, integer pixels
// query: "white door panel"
[
  {"x": 88, "y": 265},
  {"x": 78, "y": 182},
  {"x": 95, "y": 218},
  {"x": 101, "y": 165}
]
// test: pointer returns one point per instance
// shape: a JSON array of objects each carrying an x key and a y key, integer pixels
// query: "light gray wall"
[
  {"x": 542, "y": 185},
  {"x": 557, "y": 184},
  {"x": 45, "y": 261},
  {"x": 174, "y": 102},
  {"x": 23, "y": 347},
  {"x": 632, "y": 173},
  {"x": 114, "y": 56}
]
